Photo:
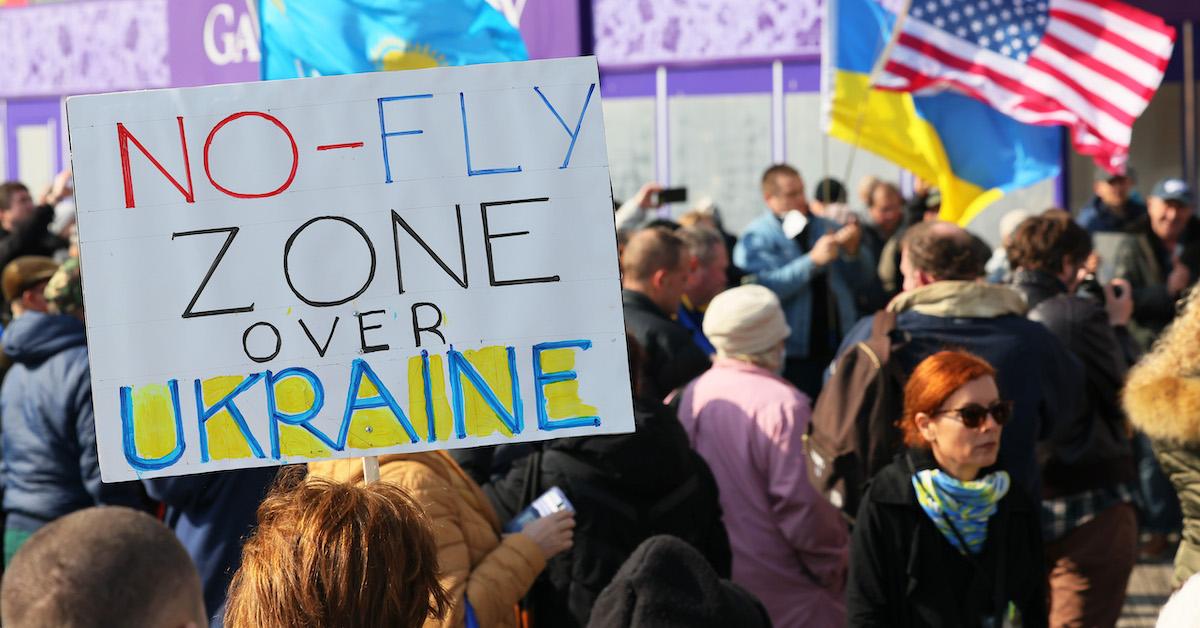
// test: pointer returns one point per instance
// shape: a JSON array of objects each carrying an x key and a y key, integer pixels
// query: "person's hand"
[
  {"x": 825, "y": 250},
  {"x": 1119, "y": 306},
  {"x": 849, "y": 237},
  {"x": 1179, "y": 279},
  {"x": 647, "y": 197},
  {"x": 554, "y": 533},
  {"x": 60, "y": 189}
]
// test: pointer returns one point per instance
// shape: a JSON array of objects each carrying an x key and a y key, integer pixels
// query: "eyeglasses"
[{"x": 973, "y": 415}]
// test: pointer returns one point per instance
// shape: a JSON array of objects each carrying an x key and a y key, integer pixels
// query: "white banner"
[{"x": 295, "y": 270}]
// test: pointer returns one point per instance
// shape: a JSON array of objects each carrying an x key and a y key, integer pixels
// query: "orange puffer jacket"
[{"x": 475, "y": 563}]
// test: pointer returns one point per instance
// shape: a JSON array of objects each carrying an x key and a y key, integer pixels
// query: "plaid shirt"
[{"x": 1063, "y": 514}]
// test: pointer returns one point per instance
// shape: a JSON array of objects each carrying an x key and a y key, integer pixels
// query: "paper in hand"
[{"x": 794, "y": 222}]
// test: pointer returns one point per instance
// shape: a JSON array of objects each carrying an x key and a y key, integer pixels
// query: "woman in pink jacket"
[{"x": 790, "y": 546}]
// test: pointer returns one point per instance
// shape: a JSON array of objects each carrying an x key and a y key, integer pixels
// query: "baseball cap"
[
  {"x": 24, "y": 273},
  {"x": 1174, "y": 190}
]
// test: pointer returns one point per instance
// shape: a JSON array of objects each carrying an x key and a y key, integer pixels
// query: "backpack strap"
[{"x": 880, "y": 342}]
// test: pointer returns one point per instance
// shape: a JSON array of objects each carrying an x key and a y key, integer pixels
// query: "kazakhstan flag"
[
  {"x": 975, "y": 153},
  {"x": 321, "y": 37}
]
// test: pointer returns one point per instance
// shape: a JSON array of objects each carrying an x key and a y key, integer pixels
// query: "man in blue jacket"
[
  {"x": 813, "y": 266},
  {"x": 50, "y": 464}
]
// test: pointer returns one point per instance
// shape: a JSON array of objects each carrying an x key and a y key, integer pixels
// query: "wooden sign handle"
[{"x": 370, "y": 469}]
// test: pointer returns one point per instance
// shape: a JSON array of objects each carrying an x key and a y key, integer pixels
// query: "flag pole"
[
  {"x": 872, "y": 78},
  {"x": 370, "y": 469}
]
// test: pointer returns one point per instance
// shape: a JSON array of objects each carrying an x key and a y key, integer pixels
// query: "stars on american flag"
[{"x": 1012, "y": 28}]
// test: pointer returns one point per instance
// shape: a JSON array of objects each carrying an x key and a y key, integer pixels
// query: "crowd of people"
[{"x": 1041, "y": 430}]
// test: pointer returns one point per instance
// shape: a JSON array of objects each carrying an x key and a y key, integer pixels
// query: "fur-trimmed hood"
[{"x": 1164, "y": 404}]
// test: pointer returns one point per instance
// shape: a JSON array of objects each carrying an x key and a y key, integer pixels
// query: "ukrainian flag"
[
  {"x": 323, "y": 37},
  {"x": 975, "y": 153}
]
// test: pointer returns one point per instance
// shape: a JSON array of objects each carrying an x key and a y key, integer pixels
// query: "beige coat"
[{"x": 475, "y": 563}]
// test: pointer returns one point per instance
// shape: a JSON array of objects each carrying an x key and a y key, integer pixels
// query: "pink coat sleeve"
[{"x": 815, "y": 529}]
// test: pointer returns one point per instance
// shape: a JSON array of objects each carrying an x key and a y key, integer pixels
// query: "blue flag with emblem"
[{"x": 307, "y": 38}]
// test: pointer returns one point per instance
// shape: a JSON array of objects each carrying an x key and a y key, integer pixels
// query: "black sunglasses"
[{"x": 973, "y": 415}]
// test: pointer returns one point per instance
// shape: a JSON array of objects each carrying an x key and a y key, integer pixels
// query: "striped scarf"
[{"x": 965, "y": 505}]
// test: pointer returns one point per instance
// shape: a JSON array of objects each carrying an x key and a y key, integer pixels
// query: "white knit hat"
[{"x": 746, "y": 320}]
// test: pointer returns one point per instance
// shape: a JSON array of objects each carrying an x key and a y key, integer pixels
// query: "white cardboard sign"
[{"x": 341, "y": 266}]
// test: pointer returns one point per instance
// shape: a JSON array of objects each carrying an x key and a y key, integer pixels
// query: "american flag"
[{"x": 1091, "y": 65}]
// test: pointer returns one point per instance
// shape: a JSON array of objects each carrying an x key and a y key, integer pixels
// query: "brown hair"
[
  {"x": 768, "y": 178},
  {"x": 110, "y": 566},
  {"x": 6, "y": 192},
  {"x": 651, "y": 250},
  {"x": 337, "y": 554},
  {"x": 880, "y": 184},
  {"x": 1041, "y": 242},
  {"x": 932, "y": 383},
  {"x": 945, "y": 251}
]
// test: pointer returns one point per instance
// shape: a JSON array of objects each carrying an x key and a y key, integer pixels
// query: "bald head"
[
  {"x": 656, "y": 263},
  {"x": 940, "y": 251},
  {"x": 102, "y": 567}
]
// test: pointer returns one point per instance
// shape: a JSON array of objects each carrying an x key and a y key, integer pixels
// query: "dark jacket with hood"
[
  {"x": 666, "y": 583},
  {"x": 1033, "y": 370},
  {"x": 625, "y": 488},
  {"x": 671, "y": 357},
  {"x": 904, "y": 573},
  {"x": 211, "y": 514},
  {"x": 1092, "y": 448},
  {"x": 50, "y": 463},
  {"x": 1097, "y": 217}
]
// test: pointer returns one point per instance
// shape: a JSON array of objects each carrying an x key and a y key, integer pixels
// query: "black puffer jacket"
[
  {"x": 671, "y": 357},
  {"x": 1092, "y": 449},
  {"x": 625, "y": 488},
  {"x": 904, "y": 573}
]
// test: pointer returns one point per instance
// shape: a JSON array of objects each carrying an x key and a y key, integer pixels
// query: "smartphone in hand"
[{"x": 547, "y": 503}]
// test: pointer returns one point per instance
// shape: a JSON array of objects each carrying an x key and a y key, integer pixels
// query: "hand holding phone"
[{"x": 671, "y": 195}]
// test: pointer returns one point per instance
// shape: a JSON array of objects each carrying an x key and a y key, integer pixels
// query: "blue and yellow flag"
[
  {"x": 322, "y": 37},
  {"x": 974, "y": 153}
]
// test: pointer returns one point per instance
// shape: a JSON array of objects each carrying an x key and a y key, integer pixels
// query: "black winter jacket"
[
  {"x": 671, "y": 358},
  {"x": 904, "y": 573},
  {"x": 625, "y": 488},
  {"x": 1091, "y": 449}
]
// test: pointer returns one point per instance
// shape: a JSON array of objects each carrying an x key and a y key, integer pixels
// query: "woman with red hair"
[{"x": 940, "y": 540}]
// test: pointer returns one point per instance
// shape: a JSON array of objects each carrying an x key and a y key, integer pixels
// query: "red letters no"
[
  {"x": 123, "y": 139},
  {"x": 272, "y": 120}
]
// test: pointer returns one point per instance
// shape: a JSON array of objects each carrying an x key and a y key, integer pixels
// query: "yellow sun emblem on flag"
[{"x": 393, "y": 53}]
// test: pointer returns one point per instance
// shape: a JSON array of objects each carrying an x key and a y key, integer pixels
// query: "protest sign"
[{"x": 343, "y": 266}]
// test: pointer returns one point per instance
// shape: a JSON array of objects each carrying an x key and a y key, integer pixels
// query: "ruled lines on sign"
[{"x": 346, "y": 145}]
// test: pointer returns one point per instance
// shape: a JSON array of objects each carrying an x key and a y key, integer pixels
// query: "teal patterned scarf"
[{"x": 965, "y": 505}]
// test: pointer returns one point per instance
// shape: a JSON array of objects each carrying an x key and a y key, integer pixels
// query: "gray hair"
[{"x": 702, "y": 242}]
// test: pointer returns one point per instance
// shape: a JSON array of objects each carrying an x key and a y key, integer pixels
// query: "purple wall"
[
  {"x": 32, "y": 111},
  {"x": 212, "y": 41},
  {"x": 633, "y": 33},
  {"x": 81, "y": 47},
  {"x": 554, "y": 28}
]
